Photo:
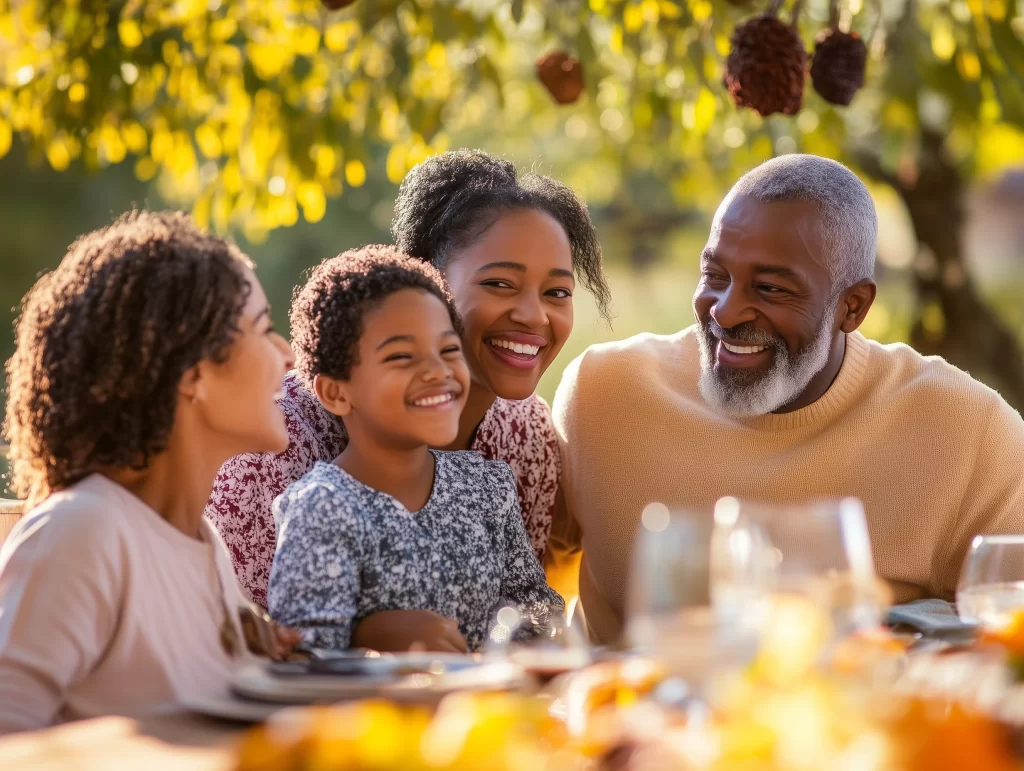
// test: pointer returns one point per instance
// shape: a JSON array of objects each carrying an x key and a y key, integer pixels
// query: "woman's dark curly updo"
[
  {"x": 450, "y": 200},
  {"x": 103, "y": 342},
  {"x": 327, "y": 311}
]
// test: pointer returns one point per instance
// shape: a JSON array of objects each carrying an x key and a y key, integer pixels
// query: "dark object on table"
[
  {"x": 933, "y": 619},
  {"x": 766, "y": 67},
  {"x": 837, "y": 69}
]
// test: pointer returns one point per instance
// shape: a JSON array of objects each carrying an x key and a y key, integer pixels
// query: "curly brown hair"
[
  {"x": 327, "y": 311},
  {"x": 103, "y": 342},
  {"x": 450, "y": 200}
]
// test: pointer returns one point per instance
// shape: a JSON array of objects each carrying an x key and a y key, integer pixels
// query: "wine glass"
[
  {"x": 543, "y": 643},
  {"x": 821, "y": 550},
  {"x": 695, "y": 591},
  {"x": 991, "y": 585}
]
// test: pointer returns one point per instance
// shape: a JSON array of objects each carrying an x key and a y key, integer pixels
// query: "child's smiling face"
[{"x": 411, "y": 381}]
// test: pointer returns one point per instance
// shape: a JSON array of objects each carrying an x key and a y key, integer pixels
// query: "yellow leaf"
[
  {"x": 130, "y": 33},
  {"x": 633, "y": 18},
  {"x": 969, "y": 65},
  {"x": 222, "y": 29},
  {"x": 307, "y": 40},
  {"x": 77, "y": 93},
  {"x": 313, "y": 201},
  {"x": 208, "y": 140},
  {"x": 701, "y": 10},
  {"x": 111, "y": 145},
  {"x": 615, "y": 41},
  {"x": 598, "y": 6},
  {"x": 396, "y": 163},
  {"x": 355, "y": 173},
  {"x": 670, "y": 10},
  {"x": 996, "y": 9},
  {"x": 699, "y": 114},
  {"x": 134, "y": 137},
  {"x": 145, "y": 169},
  {"x": 943, "y": 42},
  {"x": 58, "y": 154},
  {"x": 6, "y": 137},
  {"x": 325, "y": 159},
  {"x": 338, "y": 37},
  {"x": 201, "y": 212},
  {"x": 436, "y": 56}
]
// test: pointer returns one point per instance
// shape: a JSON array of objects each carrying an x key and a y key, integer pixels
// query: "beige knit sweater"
[{"x": 935, "y": 456}]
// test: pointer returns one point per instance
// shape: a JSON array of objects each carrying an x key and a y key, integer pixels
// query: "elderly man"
[{"x": 774, "y": 396}]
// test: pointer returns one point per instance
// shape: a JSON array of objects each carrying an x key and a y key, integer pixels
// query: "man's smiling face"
[{"x": 765, "y": 305}]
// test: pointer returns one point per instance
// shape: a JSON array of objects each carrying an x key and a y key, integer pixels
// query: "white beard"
[{"x": 787, "y": 378}]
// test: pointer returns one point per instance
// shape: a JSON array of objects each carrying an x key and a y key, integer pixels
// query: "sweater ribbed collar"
[{"x": 835, "y": 400}]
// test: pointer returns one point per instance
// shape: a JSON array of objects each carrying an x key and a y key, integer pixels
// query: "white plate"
[
  {"x": 256, "y": 682},
  {"x": 235, "y": 709}
]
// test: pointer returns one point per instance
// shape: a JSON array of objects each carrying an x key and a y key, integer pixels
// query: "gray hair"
[{"x": 848, "y": 219}]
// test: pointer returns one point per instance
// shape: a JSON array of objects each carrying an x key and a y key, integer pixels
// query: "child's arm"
[
  {"x": 314, "y": 582},
  {"x": 523, "y": 584}
]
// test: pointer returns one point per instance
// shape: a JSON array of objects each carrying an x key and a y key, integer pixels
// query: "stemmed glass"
[
  {"x": 697, "y": 589},
  {"x": 543, "y": 643},
  {"x": 822, "y": 551},
  {"x": 992, "y": 582}
]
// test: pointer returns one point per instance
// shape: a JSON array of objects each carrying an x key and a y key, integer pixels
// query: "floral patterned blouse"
[
  {"x": 521, "y": 433},
  {"x": 346, "y": 551}
]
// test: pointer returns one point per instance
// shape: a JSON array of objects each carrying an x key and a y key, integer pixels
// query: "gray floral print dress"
[{"x": 346, "y": 551}]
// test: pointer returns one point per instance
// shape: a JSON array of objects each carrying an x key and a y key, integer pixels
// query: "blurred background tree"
[{"x": 258, "y": 116}]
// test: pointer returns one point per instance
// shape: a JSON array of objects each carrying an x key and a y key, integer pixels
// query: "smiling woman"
[
  {"x": 143, "y": 361},
  {"x": 512, "y": 247}
]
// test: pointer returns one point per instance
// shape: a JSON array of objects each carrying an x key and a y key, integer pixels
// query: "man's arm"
[{"x": 993, "y": 502}]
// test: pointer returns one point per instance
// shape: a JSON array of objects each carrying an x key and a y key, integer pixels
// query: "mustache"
[{"x": 743, "y": 333}]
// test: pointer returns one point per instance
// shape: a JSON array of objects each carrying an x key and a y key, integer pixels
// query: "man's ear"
[
  {"x": 855, "y": 303},
  {"x": 333, "y": 394}
]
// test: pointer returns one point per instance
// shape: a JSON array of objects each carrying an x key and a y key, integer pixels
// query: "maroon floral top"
[{"x": 519, "y": 433}]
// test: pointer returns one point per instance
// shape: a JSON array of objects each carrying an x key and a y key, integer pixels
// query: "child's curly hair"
[
  {"x": 103, "y": 342},
  {"x": 327, "y": 312}
]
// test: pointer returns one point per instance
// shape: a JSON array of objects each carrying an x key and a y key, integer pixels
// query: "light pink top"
[{"x": 106, "y": 608}]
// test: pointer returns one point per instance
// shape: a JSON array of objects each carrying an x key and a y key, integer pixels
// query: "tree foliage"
[{"x": 253, "y": 112}]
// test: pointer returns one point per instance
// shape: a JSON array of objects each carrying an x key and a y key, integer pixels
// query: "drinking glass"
[
  {"x": 544, "y": 644},
  {"x": 695, "y": 592},
  {"x": 991, "y": 585},
  {"x": 821, "y": 550}
]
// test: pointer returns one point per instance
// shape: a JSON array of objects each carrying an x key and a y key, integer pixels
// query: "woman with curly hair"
[
  {"x": 512, "y": 247},
  {"x": 143, "y": 362}
]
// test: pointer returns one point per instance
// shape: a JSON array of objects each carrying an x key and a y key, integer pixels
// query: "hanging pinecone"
[
  {"x": 337, "y": 5},
  {"x": 562, "y": 76},
  {"x": 837, "y": 69},
  {"x": 766, "y": 67}
]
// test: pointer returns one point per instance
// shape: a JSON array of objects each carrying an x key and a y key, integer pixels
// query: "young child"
[{"x": 392, "y": 525}]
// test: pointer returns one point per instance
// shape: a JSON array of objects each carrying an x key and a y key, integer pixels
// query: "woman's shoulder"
[
  {"x": 85, "y": 517},
  {"x": 521, "y": 429}
]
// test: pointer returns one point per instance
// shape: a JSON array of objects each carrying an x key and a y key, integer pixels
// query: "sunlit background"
[{"x": 288, "y": 127}]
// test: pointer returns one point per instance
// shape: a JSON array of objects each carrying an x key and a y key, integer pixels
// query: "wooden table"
[{"x": 182, "y": 742}]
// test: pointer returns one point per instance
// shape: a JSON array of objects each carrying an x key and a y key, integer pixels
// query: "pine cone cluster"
[
  {"x": 837, "y": 69},
  {"x": 562, "y": 76},
  {"x": 767, "y": 66}
]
